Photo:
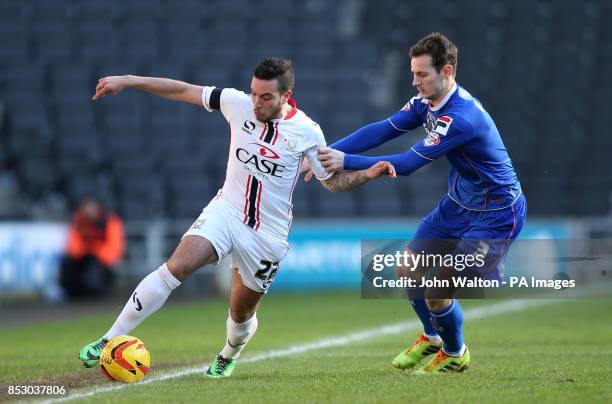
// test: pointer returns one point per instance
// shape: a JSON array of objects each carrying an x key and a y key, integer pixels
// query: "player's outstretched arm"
[
  {"x": 344, "y": 181},
  {"x": 167, "y": 88},
  {"x": 333, "y": 160},
  {"x": 368, "y": 137},
  {"x": 405, "y": 163}
]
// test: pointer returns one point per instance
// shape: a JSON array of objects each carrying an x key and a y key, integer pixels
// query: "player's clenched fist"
[
  {"x": 379, "y": 169},
  {"x": 111, "y": 84}
]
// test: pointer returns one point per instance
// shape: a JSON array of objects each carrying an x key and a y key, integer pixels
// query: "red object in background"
[{"x": 96, "y": 232}]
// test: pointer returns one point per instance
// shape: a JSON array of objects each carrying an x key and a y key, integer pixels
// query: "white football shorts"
[{"x": 256, "y": 256}]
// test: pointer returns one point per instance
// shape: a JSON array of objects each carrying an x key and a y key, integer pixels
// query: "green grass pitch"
[{"x": 556, "y": 352}]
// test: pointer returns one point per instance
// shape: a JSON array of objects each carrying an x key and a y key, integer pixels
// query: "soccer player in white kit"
[{"x": 250, "y": 216}]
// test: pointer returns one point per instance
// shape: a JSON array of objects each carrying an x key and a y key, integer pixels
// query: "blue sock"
[
  {"x": 449, "y": 324},
  {"x": 422, "y": 311}
]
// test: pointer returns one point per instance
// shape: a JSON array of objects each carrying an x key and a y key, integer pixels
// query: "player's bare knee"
[
  {"x": 241, "y": 315},
  {"x": 178, "y": 269},
  {"x": 399, "y": 271},
  {"x": 181, "y": 267},
  {"x": 407, "y": 271},
  {"x": 192, "y": 253},
  {"x": 438, "y": 304}
]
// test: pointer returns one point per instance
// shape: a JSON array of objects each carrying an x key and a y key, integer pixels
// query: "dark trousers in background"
[{"x": 85, "y": 277}]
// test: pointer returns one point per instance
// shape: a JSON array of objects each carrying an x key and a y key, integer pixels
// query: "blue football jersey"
[{"x": 482, "y": 176}]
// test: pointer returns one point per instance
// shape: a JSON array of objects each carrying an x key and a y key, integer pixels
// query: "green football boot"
[
  {"x": 221, "y": 367},
  {"x": 90, "y": 353},
  {"x": 414, "y": 355},
  {"x": 442, "y": 363}
]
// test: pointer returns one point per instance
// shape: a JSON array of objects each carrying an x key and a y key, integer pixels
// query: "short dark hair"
[
  {"x": 442, "y": 50},
  {"x": 276, "y": 68}
]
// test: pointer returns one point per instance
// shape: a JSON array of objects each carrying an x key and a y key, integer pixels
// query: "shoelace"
[
  {"x": 101, "y": 344},
  {"x": 418, "y": 342},
  {"x": 222, "y": 363},
  {"x": 440, "y": 356},
  {"x": 421, "y": 339}
]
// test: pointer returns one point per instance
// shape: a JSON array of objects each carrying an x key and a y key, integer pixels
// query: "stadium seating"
[{"x": 531, "y": 64}]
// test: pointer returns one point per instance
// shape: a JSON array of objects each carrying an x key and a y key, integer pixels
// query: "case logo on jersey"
[
  {"x": 442, "y": 125},
  {"x": 266, "y": 151},
  {"x": 260, "y": 164},
  {"x": 248, "y": 127}
]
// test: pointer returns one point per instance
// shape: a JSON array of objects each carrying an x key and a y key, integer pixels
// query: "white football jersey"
[{"x": 264, "y": 160}]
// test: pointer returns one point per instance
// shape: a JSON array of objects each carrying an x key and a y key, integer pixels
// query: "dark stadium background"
[{"x": 541, "y": 68}]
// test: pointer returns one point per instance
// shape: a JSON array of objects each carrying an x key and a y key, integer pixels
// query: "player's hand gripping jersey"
[
  {"x": 482, "y": 176},
  {"x": 264, "y": 160}
]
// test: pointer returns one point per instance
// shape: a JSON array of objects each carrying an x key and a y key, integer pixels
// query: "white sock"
[
  {"x": 150, "y": 294},
  {"x": 238, "y": 334},
  {"x": 434, "y": 339},
  {"x": 456, "y": 354}
]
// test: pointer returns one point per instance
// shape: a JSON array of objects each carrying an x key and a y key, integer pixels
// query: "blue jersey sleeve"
[
  {"x": 375, "y": 134},
  {"x": 448, "y": 134},
  {"x": 368, "y": 137},
  {"x": 404, "y": 163},
  {"x": 408, "y": 117}
]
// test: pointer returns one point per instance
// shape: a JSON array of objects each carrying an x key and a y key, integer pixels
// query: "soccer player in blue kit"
[{"x": 484, "y": 200}]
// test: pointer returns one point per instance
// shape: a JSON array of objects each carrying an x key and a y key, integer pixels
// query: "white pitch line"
[{"x": 471, "y": 314}]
